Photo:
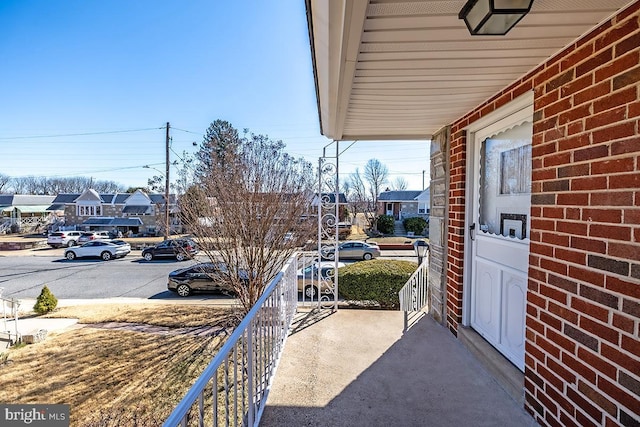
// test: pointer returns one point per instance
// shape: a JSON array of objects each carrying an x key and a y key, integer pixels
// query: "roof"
[
  {"x": 118, "y": 199},
  {"x": 25, "y": 199},
  {"x": 390, "y": 69},
  {"x": 135, "y": 209},
  {"x": 398, "y": 196},
  {"x": 56, "y": 207}
]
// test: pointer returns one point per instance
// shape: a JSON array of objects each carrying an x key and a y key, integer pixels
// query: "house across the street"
[{"x": 404, "y": 204}]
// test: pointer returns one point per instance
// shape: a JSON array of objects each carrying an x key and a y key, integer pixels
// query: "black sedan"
[
  {"x": 179, "y": 249},
  {"x": 203, "y": 277}
]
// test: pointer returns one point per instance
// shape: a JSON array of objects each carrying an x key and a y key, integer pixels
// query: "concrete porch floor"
[{"x": 356, "y": 368}]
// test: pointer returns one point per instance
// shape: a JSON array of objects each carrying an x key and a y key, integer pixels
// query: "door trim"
[{"x": 513, "y": 113}]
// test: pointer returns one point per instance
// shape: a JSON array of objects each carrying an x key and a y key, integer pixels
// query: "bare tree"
[
  {"x": 5, "y": 183},
  {"x": 249, "y": 209},
  {"x": 399, "y": 184}
]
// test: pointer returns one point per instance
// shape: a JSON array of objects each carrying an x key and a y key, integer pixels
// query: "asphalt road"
[{"x": 131, "y": 276}]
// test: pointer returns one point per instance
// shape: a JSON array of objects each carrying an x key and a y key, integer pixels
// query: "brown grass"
[{"x": 116, "y": 377}]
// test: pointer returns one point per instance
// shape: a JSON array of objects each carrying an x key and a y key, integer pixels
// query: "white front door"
[{"x": 499, "y": 233}]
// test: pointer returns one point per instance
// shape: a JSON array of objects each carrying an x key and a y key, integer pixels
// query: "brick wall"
[{"x": 583, "y": 304}]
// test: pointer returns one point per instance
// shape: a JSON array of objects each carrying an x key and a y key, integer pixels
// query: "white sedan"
[{"x": 97, "y": 248}]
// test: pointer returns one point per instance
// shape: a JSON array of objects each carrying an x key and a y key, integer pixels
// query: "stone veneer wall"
[{"x": 439, "y": 188}]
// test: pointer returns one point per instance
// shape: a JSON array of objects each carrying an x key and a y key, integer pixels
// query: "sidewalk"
[{"x": 356, "y": 368}]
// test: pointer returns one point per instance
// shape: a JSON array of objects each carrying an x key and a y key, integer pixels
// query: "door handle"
[{"x": 472, "y": 231}]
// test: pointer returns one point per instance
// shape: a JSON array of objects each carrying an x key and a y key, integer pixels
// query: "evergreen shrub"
[{"x": 376, "y": 281}]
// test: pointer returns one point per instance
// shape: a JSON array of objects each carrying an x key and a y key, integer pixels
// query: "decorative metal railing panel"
[
  {"x": 328, "y": 219},
  {"x": 315, "y": 279},
  {"x": 414, "y": 295},
  {"x": 234, "y": 387}
]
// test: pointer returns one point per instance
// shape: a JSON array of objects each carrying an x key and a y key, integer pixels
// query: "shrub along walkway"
[{"x": 356, "y": 368}]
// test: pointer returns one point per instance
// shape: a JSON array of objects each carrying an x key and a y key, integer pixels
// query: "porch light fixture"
[
  {"x": 422, "y": 249},
  {"x": 493, "y": 17}
]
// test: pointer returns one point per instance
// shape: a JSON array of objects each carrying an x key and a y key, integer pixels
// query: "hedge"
[
  {"x": 415, "y": 224},
  {"x": 376, "y": 281},
  {"x": 386, "y": 224}
]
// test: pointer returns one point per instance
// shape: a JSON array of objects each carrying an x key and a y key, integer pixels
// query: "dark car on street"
[
  {"x": 202, "y": 277},
  {"x": 179, "y": 249}
]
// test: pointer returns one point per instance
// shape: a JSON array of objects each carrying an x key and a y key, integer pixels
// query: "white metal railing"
[
  {"x": 233, "y": 388},
  {"x": 414, "y": 295},
  {"x": 10, "y": 308}
]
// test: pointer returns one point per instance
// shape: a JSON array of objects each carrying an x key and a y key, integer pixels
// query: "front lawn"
[{"x": 124, "y": 365}]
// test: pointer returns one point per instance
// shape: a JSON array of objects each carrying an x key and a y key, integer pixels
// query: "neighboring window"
[
  {"x": 422, "y": 208},
  {"x": 89, "y": 210}
]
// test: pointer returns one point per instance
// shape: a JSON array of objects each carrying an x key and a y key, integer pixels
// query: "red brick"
[
  {"x": 609, "y": 231},
  {"x": 572, "y": 213},
  {"x": 626, "y": 45},
  {"x": 548, "y": 346},
  {"x": 630, "y": 77},
  {"x": 579, "y": 367},
  {"x": 539, "y": 249},
  {"x": 592, "y": 92},
  {"x": 577, "y": 85},
  {"x": 613, "y": 166},
  {"x": 550, "y": 71},
  {"x": 589, "y": 183},
  {"x": 596, "y": 397},
  {"x": 617, "y": 394},
  {"x": 605, "y": 332},
  {"x": 570, "y": 256},
  {"x": 563, "y": 312},
  {"x": 557, "y": 159},
  {"x": 594, "y": 62},
  {"x": 572, "y": 199},
  {"x": 610, "y": 198},
  {"x": 632, "y": 345},
  {"x": 554, "y": 294},
  {"x": 575, "y": 128},
  {"x": 633, "y": 110},
  {"x": 584, "y": 405},
  {"x": 598, "y": 295},
  {"x": 617, "y": 99},
  {"x": 606, "y": 118},
  {"x": 591, "y": 153},
  {"x": 617, "y": 66},
  {"x": 602, "y": 215},
  {"x": 597, "y": 363},
  {"x": 553, "y": 239},
  {"x": 557, "y": 107},
  {"x": 573, "y": 170},
  {"x": 576, "y": 113},
  {"x": 631, "y": 216},
  {"x": 576, "y": 228},
  {"x": 554, "y": 134},
  {"x": 624, "y": 250},
  {"x": 624, "y": 287},
  {"x": 586, "y": 275},
  {"x": 543, "y": 174},
  {"x": 550, "y": 377},
  {"x": 560, "y": 370},
  {"x": 630, "y": 180},
  {"x": 577, "y": 55},
  {"x": 591, "y": 245},
  {"x": 589, "y": 309},
  {"x": 617, "y": 131},
  {"x": 616, "y": 33},
  {"x": 631, "y": 145},
  {"x": 624, "y": 323}
]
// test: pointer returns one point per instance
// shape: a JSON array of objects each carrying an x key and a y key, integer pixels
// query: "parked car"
[
  {"x": 179, "y": 249},
  {"x": 93, "y": 235},
  {"x": 354, "y": 249},
  {"x": 121, "y": 243},
  {"x": 97, "y": 248},
  {"x": 202, "y": 277},
  {"x": 58, "y": 239},
  {"x": 308, "y": 278}
]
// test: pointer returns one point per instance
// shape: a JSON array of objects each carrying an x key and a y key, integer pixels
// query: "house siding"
[{"x": 582, "y": 360}]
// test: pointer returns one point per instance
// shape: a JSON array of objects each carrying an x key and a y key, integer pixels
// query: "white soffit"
[{"x": 390, "y": 69}]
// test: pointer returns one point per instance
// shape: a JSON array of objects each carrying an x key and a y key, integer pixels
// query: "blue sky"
[{"x": 95, "y": 68}]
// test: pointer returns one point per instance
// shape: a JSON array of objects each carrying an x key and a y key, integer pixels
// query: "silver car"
[{"x": 354, "y": 249}]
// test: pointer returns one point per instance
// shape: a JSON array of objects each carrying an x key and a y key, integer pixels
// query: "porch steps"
[{"x": 398, "y": 229}]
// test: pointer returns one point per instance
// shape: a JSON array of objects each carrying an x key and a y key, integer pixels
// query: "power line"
[{"x": 78, "y": 134}]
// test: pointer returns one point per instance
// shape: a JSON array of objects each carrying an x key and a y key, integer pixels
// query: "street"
[{"x": 131, "y": 276}]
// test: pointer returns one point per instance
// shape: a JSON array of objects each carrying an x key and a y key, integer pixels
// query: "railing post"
[{"x": 250, "y": 374}]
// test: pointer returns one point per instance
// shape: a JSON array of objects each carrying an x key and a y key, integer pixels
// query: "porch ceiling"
[{"x": 393, "y": 69}]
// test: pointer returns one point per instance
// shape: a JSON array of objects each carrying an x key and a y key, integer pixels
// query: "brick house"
[
  {"x": 404, "y": 204},
  {"x": 137, "y": 212},
  {"x": 535, "y": 181}
]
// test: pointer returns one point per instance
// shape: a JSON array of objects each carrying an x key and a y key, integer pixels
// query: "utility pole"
[{"x": 166, "y": 187}]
